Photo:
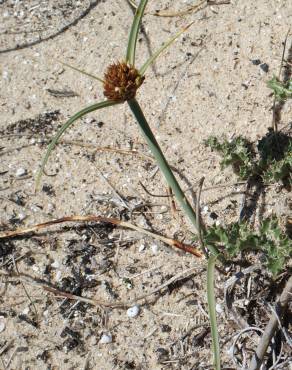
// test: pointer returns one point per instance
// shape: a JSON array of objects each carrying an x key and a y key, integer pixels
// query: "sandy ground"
[{"x": 205, "y": 84}]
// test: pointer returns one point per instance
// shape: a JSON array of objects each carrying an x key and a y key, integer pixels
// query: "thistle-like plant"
[
  {"x": 282, "y": 90},
  {"x": 121, "y": 82}
]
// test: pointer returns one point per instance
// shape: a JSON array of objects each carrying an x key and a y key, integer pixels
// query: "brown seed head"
[{"x": 121, "y": 82}]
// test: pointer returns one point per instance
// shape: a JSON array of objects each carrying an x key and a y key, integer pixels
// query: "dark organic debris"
[{"x": 41, "y": 124}]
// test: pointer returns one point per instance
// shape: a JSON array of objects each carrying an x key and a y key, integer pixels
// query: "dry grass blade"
[
  {"x": 35, "y": 282},
  {"x": 91, "y": 218},
  {"x": 269, "y": 332}
]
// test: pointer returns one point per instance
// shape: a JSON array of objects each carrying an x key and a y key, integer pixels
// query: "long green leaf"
[
  {"x": 212, "y": 311},
  {"x": 167, "y": 172},
  {"x": 162, "y": 162},
  {"x": 83, "y": 72},
  {"x": 78, "y": 115},
  {"x": 131, "y": 48},
  {"x": 161, "y": 49}
]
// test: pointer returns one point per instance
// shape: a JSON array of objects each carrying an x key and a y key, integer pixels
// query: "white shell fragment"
[
  {"x": 20, "y": 172},
  {"x": 141, "y": 247},
  {"x": 133, "y": 311},
  {"x": 55, "y": 264},
  {"x": 219, "y": 308},
  {"x": 2, "y": 323},
  {"x": 106, "y": 338},
  {"x": 154, "y": 248},
  {"x": 25, "y": 310}
]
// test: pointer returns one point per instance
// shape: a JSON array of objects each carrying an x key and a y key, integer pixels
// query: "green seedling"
[
  {"x": 282, "y": 91},
  {"x": 120, "y": 84},
  {"x": 239, "y": 237}
]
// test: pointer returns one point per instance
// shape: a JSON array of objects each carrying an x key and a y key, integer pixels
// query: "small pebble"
[
  {"x": 141, "y": 247},
  {"x": 58, "y": 275},
  {"x": 35, "y": 268},
  {"x": 20, "y": 172},
  {"x": 6, "y": 76},
  {"x": 21, "y": 216},
  {"x": 55, "y": 264},
  {"x": 256, "y": 62},
  {"x": 26, "y": 311},
  {"x": 213, "y": 215},
  {"x": 154, "y": 248},
  {"x": 219, "y": 308},
  {"x": 205, "y": 210},
  {"x": 106, "y": 338},
  {"x": 265, "y": 67},
  {"x": 133, "y": 311},
  {"x": 2, "y": 323},
  {"x": 50, "y": 208}
]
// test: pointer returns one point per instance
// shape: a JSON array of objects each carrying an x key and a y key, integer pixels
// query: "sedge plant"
[{"x": 120, "y": 84}]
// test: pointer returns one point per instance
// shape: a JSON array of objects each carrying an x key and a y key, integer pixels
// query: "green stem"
[
  {"x": 212, "y": 311},
  {"x": 165, "y": 169},
  {"x": 162, "y": 162}
]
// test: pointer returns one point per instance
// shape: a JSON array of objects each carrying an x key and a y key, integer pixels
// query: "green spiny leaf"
[{"x": 282, "y": 91}]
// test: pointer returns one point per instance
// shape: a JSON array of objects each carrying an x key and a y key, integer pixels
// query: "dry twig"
[
  {"x": 172, "y": 242},
  {"x": 44, "y": 285},
  {"x": 269, "y": 332}
]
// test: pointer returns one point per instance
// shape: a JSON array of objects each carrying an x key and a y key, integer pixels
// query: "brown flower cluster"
[{"x": 121, "y": 82}]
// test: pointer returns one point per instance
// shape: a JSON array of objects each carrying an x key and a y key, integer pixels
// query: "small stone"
[
  {"x": 58, "y": 275},
  {"x": 35, "y": 268},
  {"x": 154, "y": 248},
  {"x": 141, "y": 247},
  {"x": 213, "y": 215},
  {"x": 265, "y": 67},
  {"x": 26, "y": 311},
  {"x": 133, "y": 311},
  {"x": 50, "y": 208},
  {"x": 106, "y": 338},
  {"x": 205, "y": 210},
  {"x": 219, "y": 308},
  {"x": 55, "y": 264},
  {"x": 2, "y": 324},
  {"x": 20, "y": 172},
  {"x": 256, "y": 62},
  {"x": 6, "y": 76},
  {"x": 21, "y": 216}
]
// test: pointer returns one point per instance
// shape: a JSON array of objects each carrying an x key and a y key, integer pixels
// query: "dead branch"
[{"x": 77, "y": 218}]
